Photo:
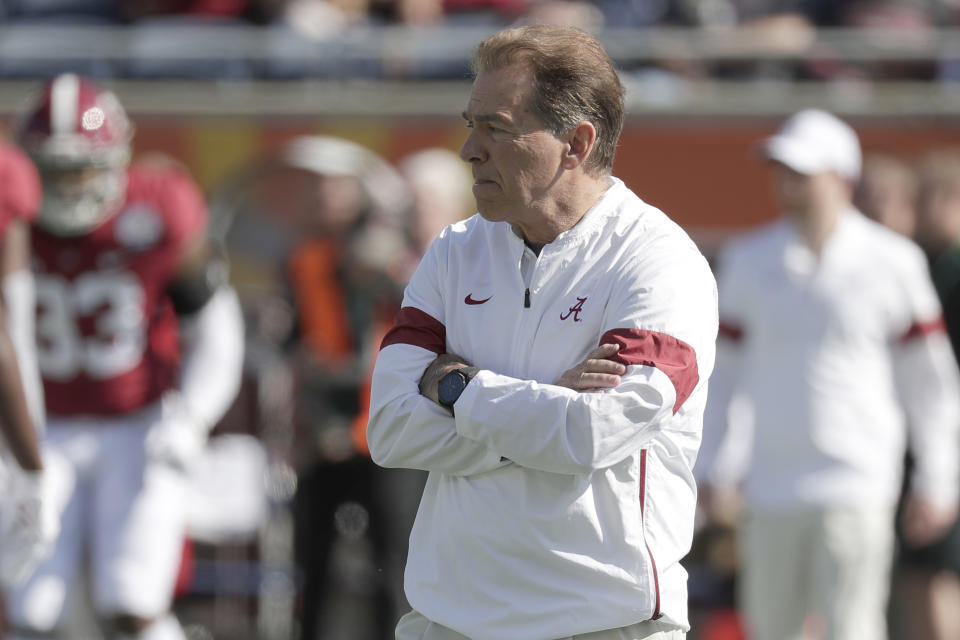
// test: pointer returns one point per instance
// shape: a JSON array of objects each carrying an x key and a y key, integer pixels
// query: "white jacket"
[
  {"x": 833, "y": 356},
  {"x": 549, "y": 512}
]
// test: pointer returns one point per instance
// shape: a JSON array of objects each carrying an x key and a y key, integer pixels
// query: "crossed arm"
[
  {"x": 567, "y": 429},
  {"x": 595, "y": 373}
]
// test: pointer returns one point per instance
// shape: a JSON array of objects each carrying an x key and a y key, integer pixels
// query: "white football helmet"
[{"x": 79, "y": 137}]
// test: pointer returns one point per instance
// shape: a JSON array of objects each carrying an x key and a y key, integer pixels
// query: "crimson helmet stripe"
[{"x": 64, "y": 100}]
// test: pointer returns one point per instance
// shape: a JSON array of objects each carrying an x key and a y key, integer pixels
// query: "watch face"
[{"x": 450, "y": 387}]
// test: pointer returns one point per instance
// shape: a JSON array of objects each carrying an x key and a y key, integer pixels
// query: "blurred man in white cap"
[
  {"x": 832, "y": 342},
  {"x": 346, "y": 275}
]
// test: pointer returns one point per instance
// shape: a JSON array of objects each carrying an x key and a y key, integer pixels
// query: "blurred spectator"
[
  {"x": 651, "y": 13},
  {"x": 887, "y": 193},
  {"x": 831, "y": 342},
  {"x": 814, "y": 12},
  {"x": 256, "y": 11},
  {"x": 938, "y": 231},
  {"x": 346, "y": 281},
  {"x": 65, "y": 11},
  {"x": 568, "y": 13},
  {"x": 320, "y": 19},
  {"x": 929, "y": 584},
  {"x": 908, "y": 21},
  {"x": 778, "y": 29},
  {"x": 484, "y": 12},
  {"x": 411, "y": 13},
  {"x": 442, "y": 190},
  {"x": 770, "y": 37}
]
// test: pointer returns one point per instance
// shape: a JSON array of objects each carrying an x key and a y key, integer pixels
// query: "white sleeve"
[
  {"x": 213, "y": 358},
  {"x": 406, "y": 429},
  {"x": 551, "y": 428},
  {"x": 727, "y": 421},
  {"x": 18, "y": 296},
  {"x": 929, "y": 384},
  {"x": 664, "y": 316}
]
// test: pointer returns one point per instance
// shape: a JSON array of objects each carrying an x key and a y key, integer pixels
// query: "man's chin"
[{"x": 490, "y": 213}]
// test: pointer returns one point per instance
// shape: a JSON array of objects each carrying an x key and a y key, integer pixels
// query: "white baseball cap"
[
  {"x": 333, "y": 156},
  {"x": 814, "y": 141}
]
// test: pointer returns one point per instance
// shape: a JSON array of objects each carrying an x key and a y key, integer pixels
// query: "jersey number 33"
[{"x": 92, "y": 326}]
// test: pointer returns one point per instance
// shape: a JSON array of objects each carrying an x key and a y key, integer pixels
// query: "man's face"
[
  {"x": 515, "y": 161},
  {"x": 801, "y": 196},
  {"x": 75, "y": 200}
]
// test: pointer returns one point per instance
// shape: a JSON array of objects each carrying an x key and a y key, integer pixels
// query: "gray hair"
[{"x": 574, "y": 80}]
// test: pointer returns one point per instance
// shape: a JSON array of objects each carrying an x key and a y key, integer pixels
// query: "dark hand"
[
  {"x": 596, "y": 372},
  {"x": 441, "y": 366},
  {"x": 923, "y": 522}
]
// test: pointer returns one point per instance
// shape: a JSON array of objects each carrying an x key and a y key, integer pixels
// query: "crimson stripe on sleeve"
[
  {"x": 730, "y": 331},
  {"x": 653, "y": 563},
  {"x": 415, "y": 327},
  {"x": 920, "y": 329},
  {"x": 674, "y": 357}
]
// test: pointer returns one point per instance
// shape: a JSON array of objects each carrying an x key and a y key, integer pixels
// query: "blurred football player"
[
  {"x": 139, "y": 344},
  {"x": 28, "y": 521}
]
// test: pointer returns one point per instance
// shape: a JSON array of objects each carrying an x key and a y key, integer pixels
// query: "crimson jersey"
[
  {"x": 107, "y": 334},
  {"x": 19, "y": 187}
]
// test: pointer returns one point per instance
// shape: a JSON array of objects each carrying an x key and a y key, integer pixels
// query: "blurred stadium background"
[{"x": 222, "y": 86}]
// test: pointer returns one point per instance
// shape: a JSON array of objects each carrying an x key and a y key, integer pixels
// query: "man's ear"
[{"x": 580, "y": 144}]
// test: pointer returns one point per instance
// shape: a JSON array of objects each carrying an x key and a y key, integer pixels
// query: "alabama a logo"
[{"x": 574, "y": 310}]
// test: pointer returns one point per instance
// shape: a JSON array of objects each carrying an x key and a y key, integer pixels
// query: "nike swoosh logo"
[{"x": 469, "y": 299}]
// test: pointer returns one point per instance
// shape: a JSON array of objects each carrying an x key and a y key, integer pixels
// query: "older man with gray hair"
[{"x": 549, "y": 369}]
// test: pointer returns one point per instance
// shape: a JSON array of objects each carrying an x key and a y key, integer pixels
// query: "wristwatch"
[{"x": 452, "y": 385}]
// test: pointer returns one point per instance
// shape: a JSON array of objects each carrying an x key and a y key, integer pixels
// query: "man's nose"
[{"x": 471, "y": 151}]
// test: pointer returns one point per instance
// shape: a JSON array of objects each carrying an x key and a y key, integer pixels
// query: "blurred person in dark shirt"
[
  {"x": 345, "y": 277},
  {"x": 938, "y": 231},
  {"x": 887, "y": 192},
  {"x": 930, "y": 582}
]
